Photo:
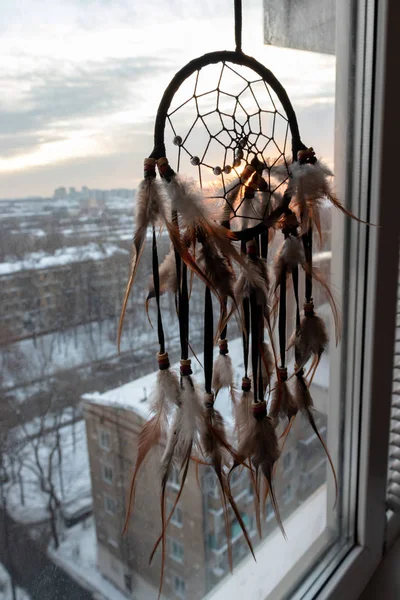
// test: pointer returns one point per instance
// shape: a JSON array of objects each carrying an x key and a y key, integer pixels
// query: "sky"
[{"x": 81, "y": 80}]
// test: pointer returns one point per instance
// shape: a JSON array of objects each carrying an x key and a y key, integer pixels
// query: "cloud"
[{"x": 56, "y": 99}]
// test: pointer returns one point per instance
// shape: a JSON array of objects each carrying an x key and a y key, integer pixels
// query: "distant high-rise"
[{"x": 60, "y": 193}]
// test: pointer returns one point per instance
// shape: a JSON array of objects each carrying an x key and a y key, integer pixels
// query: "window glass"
[
  {"x": 109, "y": 505},
  {"x": 177, "y": 551},
  {"x": 82, "y": 85}
]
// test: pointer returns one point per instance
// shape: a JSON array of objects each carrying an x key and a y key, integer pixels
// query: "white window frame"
[
  {"x": 287, "y": 495},
  {"x": 173, "y": 541},
  {"x": 369, "y": 32},
  {"x": 104, "y": 466},
  {"x": 106, "y": 508},
  {"x": 288, "y": 456},
  {"x": 174, "y": 478},
  {"x": 179, "y": 594},
  {"x": 174, "y": 517},
  {"x": 105, "y": 432}
]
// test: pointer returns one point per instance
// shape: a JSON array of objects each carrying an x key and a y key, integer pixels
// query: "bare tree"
[{"x": 5, "y": 454}]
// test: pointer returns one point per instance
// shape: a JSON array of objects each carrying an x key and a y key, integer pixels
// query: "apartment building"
[{"x": 196, "y": 543}]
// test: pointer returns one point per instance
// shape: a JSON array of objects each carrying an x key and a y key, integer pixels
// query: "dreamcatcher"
[{"x": 231, "y": 134}]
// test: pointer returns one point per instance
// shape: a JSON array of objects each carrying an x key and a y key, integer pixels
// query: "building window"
[
  {"x": 176, "y": 551},
  {"x": 128, "y": 582},
  {"x": 104, "y": 439},
  {"x": 269, "y": 511},
  {"x": 287, "y": 494},
  {"x": 179, "y": 586},
  {"x": 287, "y": 461},
  {"x": 250, "y": 491},
  {"x": 177, "y": 516},
  {"x": 174, "y": 479},
  {"x": 107, "y": 474},
  {"x": 235, "y": 477},
  {"x": 110, "y": 506}
]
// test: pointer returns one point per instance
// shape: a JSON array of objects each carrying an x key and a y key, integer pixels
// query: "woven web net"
[{"x": 223, "y": 118}]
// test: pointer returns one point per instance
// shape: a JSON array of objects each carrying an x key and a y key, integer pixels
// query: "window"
[
  {"x": 269, "y": 511},
  {"x": 110, "y": 505},
  {"x": 64, "y": 259},
  {"x": 176, "y": 550},
  {"x": 287, "y": 494},
  {"x": 174, "y": 478},
  {"x": 179, "y": 586},
  {"x": 236, "y": 476},
  {"x": 128, "y": 582},
  {"x": 107, "y": 474},
  {"x": 177, "y": 516},
  {"x": 104, "y": 440},
  {"x": 287, "y": 461}
]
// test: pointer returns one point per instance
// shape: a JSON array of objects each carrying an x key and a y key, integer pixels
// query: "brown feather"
[
  {"x": 184, "y": 469},
  {"x": 267, "y": 365},
  {"x": 243, "y": 415},
  {"x": 305, "y": 403},
  {"x": 310, "y": 339},
  {"x": 282, "y": 404},
  {"x": 148, "y": 438},
  {"x": 167, "y": 275},
  {"x": 260, "y": 445},
  {"x": 215, "y": 444},
  {"x": 217, "y": 268},
  {"x": 150, "y": 209}
]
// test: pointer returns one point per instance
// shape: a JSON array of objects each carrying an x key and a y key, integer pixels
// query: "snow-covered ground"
[
  {"x": 5, "y": 587},
  {"x": 77, "y": 555},
  {"x": 62, "y": 256},
  {"x": 71, "y": 479}
]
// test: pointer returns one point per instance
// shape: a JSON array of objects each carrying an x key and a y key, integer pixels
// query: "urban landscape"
[{"x": 73, "y": 408}]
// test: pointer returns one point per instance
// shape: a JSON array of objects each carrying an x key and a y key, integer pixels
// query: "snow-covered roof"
[
  {"x": 62, "y": 256},
  {"x": 133, "y": 395}
]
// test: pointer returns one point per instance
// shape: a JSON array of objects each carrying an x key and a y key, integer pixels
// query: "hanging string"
[
  {"x": 156, "y": 278},
  {"x": 238, "y": 25},
  {"x": 208, "y": 340},
  {"x": 295, "y": 277},
  {"x": 307, "y": 243},
  {"x": 184, "y": 313},
  {"x": 255, "y": 345},
  {"x": 246, "y": 334},
  {"x": 282, "y": 318}
]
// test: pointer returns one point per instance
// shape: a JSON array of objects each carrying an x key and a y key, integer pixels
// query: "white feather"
[
  {"x": 191, "y": 416},
  {"x": 167, "y": 390},
  {"x": 188, "y": 199},
  {"x": 167, "y": 274},
  {"x": 310, "y": 182},
  {"x": 150, "y": 203},
  {"x": 291, "y": 253},
  {"x": 222, "y": 372}
]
